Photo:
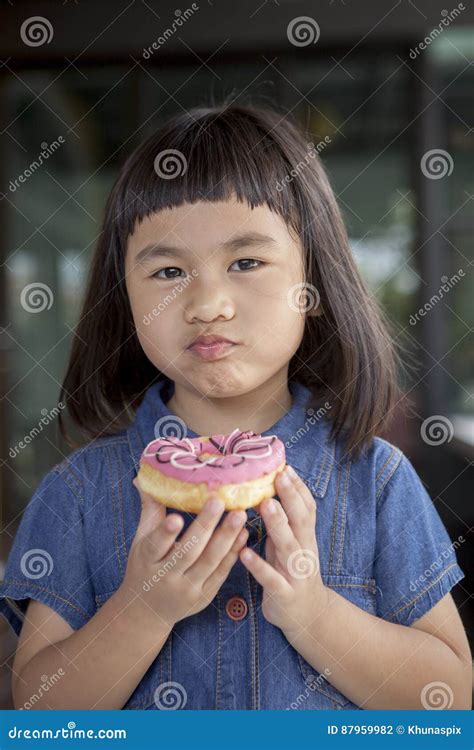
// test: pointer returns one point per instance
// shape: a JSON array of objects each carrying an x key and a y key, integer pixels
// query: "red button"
[{"x": 236, "y": 608}]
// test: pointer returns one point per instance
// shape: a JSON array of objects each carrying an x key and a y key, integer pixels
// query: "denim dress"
[{"x": 382, "y": 546}]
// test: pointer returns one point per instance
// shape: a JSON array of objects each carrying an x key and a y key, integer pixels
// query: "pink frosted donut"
[{"x": 240, "y": 468}]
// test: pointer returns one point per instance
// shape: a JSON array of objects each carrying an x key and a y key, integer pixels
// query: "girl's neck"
[{"x": 257, "y": 410}]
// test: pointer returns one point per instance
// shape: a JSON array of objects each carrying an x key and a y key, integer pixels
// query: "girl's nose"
[{"x": 208, "y": 303}]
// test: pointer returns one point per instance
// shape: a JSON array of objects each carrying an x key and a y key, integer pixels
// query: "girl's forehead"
[{"x": 217, "y": 221}]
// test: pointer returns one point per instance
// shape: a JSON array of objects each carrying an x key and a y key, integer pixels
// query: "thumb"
[{"x": 152, "y": 513}]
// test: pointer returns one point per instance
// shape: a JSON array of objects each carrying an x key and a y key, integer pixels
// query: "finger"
[
  {"x": 273, "y": 582},
  {"x": 270, "y": 553},
  {"x": 299, "y": 506},
  {"x": 220, "y": 574},
  {"x": 197, "y": 535},
  {"x": 162, "y": 540},
  {"x": 218, "y": 547},
  {"x": 152, "y": 511},
  {"x": 300, "y": 487},
  {"x": 278, "y": 529}
]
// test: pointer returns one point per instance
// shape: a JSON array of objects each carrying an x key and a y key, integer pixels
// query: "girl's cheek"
[{"x": 271, "y": 288}]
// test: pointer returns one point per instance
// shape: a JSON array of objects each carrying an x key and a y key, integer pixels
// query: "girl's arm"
[
  {"x": 97, "y": 666},
  {"x": 382, "y": 665},
  {"x": 375, "y": 663},
  {"x": 105, "y": 660}
]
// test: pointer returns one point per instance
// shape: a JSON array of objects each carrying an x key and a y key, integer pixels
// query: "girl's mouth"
[{"x": 210, "y": 352}]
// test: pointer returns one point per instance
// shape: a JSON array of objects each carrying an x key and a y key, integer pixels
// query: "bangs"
[{"x": 198, "y": 157}]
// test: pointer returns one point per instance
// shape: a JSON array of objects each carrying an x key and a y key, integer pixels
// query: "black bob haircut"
[{"x": 347, "y": 356}]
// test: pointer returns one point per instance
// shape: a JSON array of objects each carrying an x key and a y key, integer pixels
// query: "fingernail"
[
  {"x": 291, "y": 471},
  {"x": 284, "y": 478},
  {"x": 271, "y": 508},
  {"x": 173, "y": 523}
]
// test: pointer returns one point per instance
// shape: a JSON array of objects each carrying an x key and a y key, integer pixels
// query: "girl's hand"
[
  {"x": 176, "y": 579},
  {"x": 293, "y": 590}
]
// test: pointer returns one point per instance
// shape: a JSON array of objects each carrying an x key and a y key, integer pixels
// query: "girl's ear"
[{"x": 315, "y": 312}]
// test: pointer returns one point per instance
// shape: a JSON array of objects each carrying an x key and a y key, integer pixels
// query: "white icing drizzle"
[
  {"x": 177, "y": 455},
  {"x": 229, "y": 438}
]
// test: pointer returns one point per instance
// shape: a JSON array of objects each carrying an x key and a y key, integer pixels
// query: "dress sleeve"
[
  {"x": 415, "y": 563},
  {"x": 48, "y": 559}
]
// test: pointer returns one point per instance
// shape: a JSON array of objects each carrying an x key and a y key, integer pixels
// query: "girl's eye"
[
  {"x": 156, "y": 275},
  {"x": 247, "y": 260}
]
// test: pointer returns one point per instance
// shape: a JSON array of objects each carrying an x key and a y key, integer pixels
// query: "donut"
[{"x": 240, "y": 468}]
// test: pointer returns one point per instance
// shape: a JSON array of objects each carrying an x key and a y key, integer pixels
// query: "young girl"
[{"x": 223, "y": 224}]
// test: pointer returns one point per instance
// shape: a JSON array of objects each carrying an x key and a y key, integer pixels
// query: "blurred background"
[{"x": 391, "y": 86}]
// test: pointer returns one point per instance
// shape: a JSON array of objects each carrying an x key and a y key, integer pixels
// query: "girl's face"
[{"x": 216, "y": 269}]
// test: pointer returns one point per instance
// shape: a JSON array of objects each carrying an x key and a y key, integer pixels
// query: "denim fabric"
[{"x": 381, "y": 542}]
